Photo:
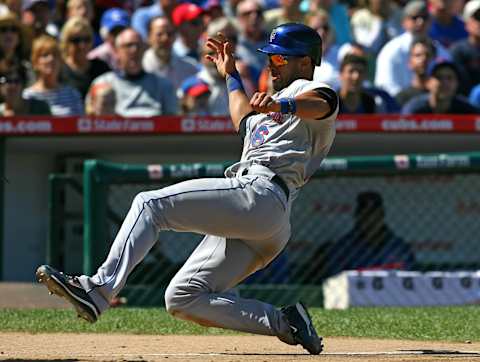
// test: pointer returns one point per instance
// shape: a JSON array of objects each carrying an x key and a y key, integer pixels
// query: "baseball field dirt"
[{"x": 114, "y": 347}]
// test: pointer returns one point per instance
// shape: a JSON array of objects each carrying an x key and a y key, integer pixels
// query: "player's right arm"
[{"x": 238, "y": 102}]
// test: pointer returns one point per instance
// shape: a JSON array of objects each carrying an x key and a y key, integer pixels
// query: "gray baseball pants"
[{"x": 246, "y": 223}]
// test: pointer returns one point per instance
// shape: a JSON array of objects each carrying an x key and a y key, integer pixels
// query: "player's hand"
[
  {"x": 223, "y": 54},
  {"x": 263, "y": 103}
]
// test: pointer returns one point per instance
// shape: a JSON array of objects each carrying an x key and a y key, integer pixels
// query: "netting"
[{"x": 372, "y": 220}]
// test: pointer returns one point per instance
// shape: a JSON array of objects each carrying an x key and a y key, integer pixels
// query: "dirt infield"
[{"x": 112, "y": 347}]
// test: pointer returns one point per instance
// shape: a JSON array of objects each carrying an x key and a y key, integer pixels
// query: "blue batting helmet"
[{"x": 295, "y": 39}]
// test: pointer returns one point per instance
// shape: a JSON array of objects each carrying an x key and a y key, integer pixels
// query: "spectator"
[
  {"x": 195, "y": 98},
  {"x": 230, "y": 8},
  {"x": 352, "y": 97},
  {"x": 46, "y": 61},
  {"x": 212, "y": 10},
  {"x": 474, "y": 97},
  {"x": 327, "y": 72},
  {"x": 12, "y": 40},
  {"x": 160, "y": 58},
  {"x": 80, "y": 8},
  {"x": 36, "y": 15},
  {"x": 442, "y": 85},
  {"x": 384, "y": 102},
  {"x": 83, "y": 9},
  {"x": 392, "y": 73},
  {"x": 370, "y": 244},
  {"x": 422, "y": 52},
  {"x": 247, "y": 73},
  {"x": 187, "y": 17},
  {"x": 376, "y": 24},
  {"x": 76, "y": 39},
  {"x": 338, "y": 16},
  {"x": 14, "y": 6},
  {"x": 12, "y": 82},
  {"x": 288, "y": 12},
  {"x": 466, "y": 53},
  {"x": 142, "y": 16},
  {"x": 218, "y": 100},
  {"x": 252, "y": 34},
  {"x": 137, "y": 93},
  {"x": 101, "y": 100},
  {"x": 113, "y": 21},
  {"x": 446, "y": 27}
]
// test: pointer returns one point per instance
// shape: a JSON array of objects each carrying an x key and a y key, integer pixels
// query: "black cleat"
[
  {"x": 69, "y": 288},
  {"x": 302, "y": 328}
]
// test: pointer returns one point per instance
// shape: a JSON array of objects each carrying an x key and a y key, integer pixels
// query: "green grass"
[{"x": 439, "y": 323}]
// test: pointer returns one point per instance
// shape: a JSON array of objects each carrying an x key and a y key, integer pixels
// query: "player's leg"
[
  {"x": 198, "y": 291},
  {"x": 241, "y": 208}
]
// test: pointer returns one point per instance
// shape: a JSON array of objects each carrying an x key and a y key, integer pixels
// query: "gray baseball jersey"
[
  {"x": 292, "y": 148},
  {"x": 245, "y": 218}
]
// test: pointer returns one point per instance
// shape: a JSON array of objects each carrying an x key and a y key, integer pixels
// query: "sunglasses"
[
  {"x": 278, "y": 60},
  {"x": 10, "y": 80},
  {"x": 80, "y": 39},
  {"x": 7, "y": 29},
  {"x": 131, "y": 45},
  {"x": 251, "y": 12},
  {"x": 420, "y": 16}
]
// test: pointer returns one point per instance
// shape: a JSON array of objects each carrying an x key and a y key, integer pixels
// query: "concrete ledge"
[{"x": 28, "y": 295}]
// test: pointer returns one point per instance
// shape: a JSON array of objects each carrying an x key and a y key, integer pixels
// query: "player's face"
[{"x": 284, "y": 70}]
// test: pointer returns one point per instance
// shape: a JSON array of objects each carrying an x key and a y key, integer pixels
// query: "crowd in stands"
[{"x": 147, "y": 58}]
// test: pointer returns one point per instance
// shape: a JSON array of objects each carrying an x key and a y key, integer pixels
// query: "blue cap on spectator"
[
  {"x": 28, "y": 4},
  {"x": 439, "y": 63},
  {"x": 194, "y": 87},
  {"x": 114, "y": 17}
]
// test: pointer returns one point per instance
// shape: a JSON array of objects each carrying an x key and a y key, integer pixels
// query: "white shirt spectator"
[
  {"x": 328, "y": 71},
  {"x": 392, "y": 72},
  {"x": 176, "y": 71},
  {"x": 373, "y": 32}
]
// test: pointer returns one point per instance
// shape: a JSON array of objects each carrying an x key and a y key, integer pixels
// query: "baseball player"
[{"x": 244, "y": 216}]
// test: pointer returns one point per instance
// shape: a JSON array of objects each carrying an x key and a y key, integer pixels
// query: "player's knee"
[
  {"x": 179, "y": 299},
  {"x": 174, "y": 299}
]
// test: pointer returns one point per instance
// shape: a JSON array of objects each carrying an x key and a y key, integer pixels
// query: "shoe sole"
[
  {"x": 302, "y": 310},
  {"x": 55, "y": 287}
]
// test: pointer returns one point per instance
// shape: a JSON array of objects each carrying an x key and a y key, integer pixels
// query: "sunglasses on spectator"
[
  {"x": 8, "y": 28},
  {"x": 278, "y": 60},
  {"x": 131, "y": 45},
  {"x": 80, "y": 39},
  {"x": 10, "y": 80},
  {"x": 248, "y": 13},
  {"x": 420, "y": 16}
]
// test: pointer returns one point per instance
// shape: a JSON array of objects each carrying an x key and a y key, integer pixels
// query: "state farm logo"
[
  {"x": 188, "y": 125},
  {"x": 84, "y": 125}
]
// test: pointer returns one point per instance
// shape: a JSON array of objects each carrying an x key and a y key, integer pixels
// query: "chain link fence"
[{"x": 411, "y": 213}]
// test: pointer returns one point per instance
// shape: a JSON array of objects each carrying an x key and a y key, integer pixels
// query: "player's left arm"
[{"x": 314, "y": 104}]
